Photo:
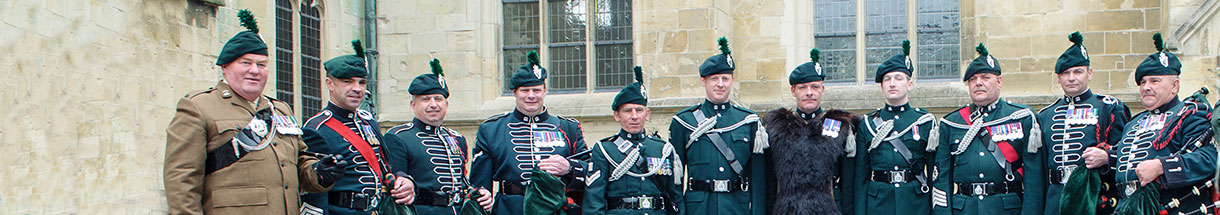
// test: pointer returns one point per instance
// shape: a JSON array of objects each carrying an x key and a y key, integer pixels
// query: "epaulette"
[
  {"x": 1049, "y": 106},
  {"x": 316, "y": 121},
  {"x": 874, "y": 112},
  {"x": 403, "y": 127},
  {"x": 197, "y": 93},
  {"x": 453, "y": 132},
  {"x": 1106, "y": 99},
  {"x": 608, "y": 139},
  {"x": 573, "y": 120},
  {"x": 656, "y": 137},
  {"x": 953, "y": 115},
  {"x": 1018, "y": 106},
  {"x": 496, "y": 117},
  {"x": 743, "y": 109},
  {"x": 690, "y": 109}
]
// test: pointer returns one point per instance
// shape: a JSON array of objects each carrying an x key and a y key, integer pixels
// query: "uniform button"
[
  {"x": 275, "y": 144},
  {"x": 956, "y": 140},
  {"x": 897, "y": 186},
  {"x": 722, "y": 169},
  {"x": 285, "y": 187},
  {"x": 281, "y": 164},
  {"x": 895, "y": 149},
  {"x": 981, "y": 154},
  {"x": 980, "y": 175}
]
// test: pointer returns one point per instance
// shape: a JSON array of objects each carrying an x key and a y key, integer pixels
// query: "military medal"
[
  {"x": 452, "y": 143},
  {"x": 915, "y": 132},
  {"x": 830, "y": 128},
  {"x": 1082, "y": 116},
  {"x": 286, "y": 125},
  {"x": 547, "y": 139}
]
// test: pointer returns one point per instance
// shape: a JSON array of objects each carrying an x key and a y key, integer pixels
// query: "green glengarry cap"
[
  {"x": 1074, "y": 56},
  {"x": 809, "y": 71},
  {"x": 348, "y": 66},
  {"x": 1160, "y": 63},
  {"x": 529, "y": 75},
  {"x": 633, "y": 93},
  {"x": 431, "y": 83},
  {"x": 718, "y": 64},
  {"x": 984, "y": 63},
  {"x": 245, "y": 42},
  {"x": 897, "y": 63}
]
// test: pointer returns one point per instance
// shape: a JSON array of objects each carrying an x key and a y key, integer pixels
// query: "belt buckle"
[
  {"x": 645, "y": 203},
  {"x": 1065, "y": 173},
  {"x": 978, "y": 188},
  {"x": 720, "y": 186},
  {"x": 1129, "y": 187},
  {"x": 367, "y": 203},
  {"x": 898, "y": 177}
]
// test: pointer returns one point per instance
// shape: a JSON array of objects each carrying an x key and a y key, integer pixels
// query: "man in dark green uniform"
[
  {"x": 434, "y": 156},
  {"x": 631, "y": 172},
  {"x": 1079, "y": 123},
  {"x": 1166, "y": 143},
  {"x": 987, "y": 161},
  {"x": 510, "y": 145},
  {"x": 722, "y": 145},
  {"x": 895, "y": 146},
  {"x": 351, "y": 134}
]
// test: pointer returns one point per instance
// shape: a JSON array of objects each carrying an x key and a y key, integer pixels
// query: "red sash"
[
  {"x": 1010, "y": 153},
  {"x": 365, "y": 149}
]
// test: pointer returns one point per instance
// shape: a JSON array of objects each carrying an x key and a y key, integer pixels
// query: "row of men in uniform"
[{"x": 231, "y": 153}]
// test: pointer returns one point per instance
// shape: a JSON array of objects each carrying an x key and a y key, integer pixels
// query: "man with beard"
[
  {"x": 227, "y": 147},
  {"x": 896, "y": 144},
  {"x": 722, "y": 146},
  {"x": 1165, "y": 147},
  {"x": 1080, "y": 123},
  {"x": 631, "y": 172},
  {"x": 806, "y": 158},
  {"x": 433, "y": 155},
  {"x": 510, "y": 145},
  {"x": 987, "y": 161},
  {"x": 351, "y": 134}
]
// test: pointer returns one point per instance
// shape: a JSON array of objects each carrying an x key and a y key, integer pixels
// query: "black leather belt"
[
  {"x": 987, "y": 188},
  {"x": 638, "y": 203},
  {"x": 353, "y": 200},
  {"x": 719, "y": 186},
  {"x": 423, "y": 197},
  {"x": 893, "y": 176},
  {"x": 512, "y": 188}
]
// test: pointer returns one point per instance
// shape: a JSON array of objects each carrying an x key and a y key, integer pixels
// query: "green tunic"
[
  {"x": 1001, "y": 135},
  {"x": 649, "y": 174},
  {"x": 737, "y": 127},
  {"x": 883, "y": 172}
]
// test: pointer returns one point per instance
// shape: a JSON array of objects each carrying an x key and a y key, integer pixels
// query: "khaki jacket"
[{"x": 266, "y": 181}]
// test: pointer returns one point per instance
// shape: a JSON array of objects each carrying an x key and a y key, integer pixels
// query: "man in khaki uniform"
[{"x": 231, "y": 150}]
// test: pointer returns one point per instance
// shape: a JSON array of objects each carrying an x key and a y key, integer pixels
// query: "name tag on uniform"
[
  {"x": 661, "y": 165},
  {"x": 548, "y": 139},
  {"x": 830, "y": 128},
  {"x": 1006, "y": 132},
  {"x": 286, "y": 125},
  {"x": 1081, "y": 116}
]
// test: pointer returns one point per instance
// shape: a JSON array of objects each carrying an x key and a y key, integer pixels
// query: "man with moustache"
[
  {"x": 722, "y": 146},
  {"x": 806, "y": 161},
  {"x": 231, "y": 150},
  {"x": 895, "y": 146},
  {"x": 351, "y": 135},
  {"x": 434, "y": 156},
  {"x": 631, "y": 172},
  {"x": 987, "y": 159},
  {"x": 1080, "y": 123},
  {"x": 510, "y": 145},
  {"x": 1165, "y": 147}
]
